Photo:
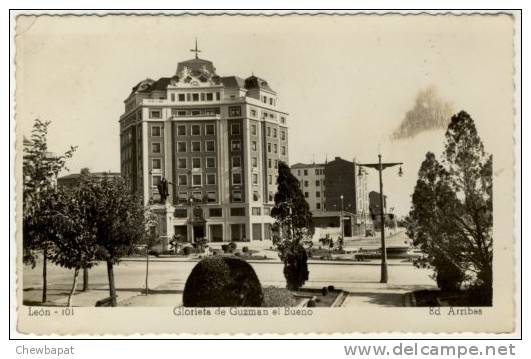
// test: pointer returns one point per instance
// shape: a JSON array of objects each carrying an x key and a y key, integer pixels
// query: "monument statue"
[{"x": 162, "y": 187}]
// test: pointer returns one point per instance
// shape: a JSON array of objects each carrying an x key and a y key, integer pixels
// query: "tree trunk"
[
  {"x": 147, "y": 274},
  {"x": 85, "y": 279},
  {"x": 44, "y": 274},
  {"x": 112, "y": 289},
  {"x": 73, "y": 290}
]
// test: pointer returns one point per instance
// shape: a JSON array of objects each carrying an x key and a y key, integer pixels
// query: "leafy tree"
[
  {"x": 451, "y": 216},
  {"x": 40, "y": 170},
  {"x": 119, "y": 221},
  {"x": 294, "y": 223},
  {"x": 74, "y": 244}
]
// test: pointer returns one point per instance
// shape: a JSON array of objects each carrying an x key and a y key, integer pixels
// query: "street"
[{"x": 167, "y": 279}]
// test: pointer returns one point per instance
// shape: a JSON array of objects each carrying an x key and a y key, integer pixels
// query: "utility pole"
[{"x": 380, "y": 167}]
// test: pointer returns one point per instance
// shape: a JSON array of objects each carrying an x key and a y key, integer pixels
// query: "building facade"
[
  {"x": 336, "y": 187},
  {"x": 216, "y": 141}
]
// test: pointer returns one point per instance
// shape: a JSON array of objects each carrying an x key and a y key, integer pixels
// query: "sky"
[{"x": 347, "y": 81}]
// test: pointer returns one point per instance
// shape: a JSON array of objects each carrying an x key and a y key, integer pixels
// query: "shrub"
[
  {"x": 233, "y": 246},
  {"x": 245, "y": 249},
  {"x": 188, "y": 250},
  {"x": 225, "y": 248},
  {"x": 324, "y": 291},
  {"x": 331, "y": 288},
  {"x": 448, "y": 276},
  {"x": 222, "y": 282},
  {"x": 311, "y": 303}
]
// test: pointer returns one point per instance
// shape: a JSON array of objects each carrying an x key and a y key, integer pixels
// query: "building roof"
[
  {"x": 307, "y": 165},
  {"x": 233, "y": 82},
  {"x": 196, "y": 66},
  {"x": 254, "y": 82},
  {"x": 75, "y": 176}
]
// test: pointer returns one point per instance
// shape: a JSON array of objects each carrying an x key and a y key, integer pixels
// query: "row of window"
[
  {"x": 306, "y": 183},
  {"x": 195, "y": 146},
  {"x": 209, "y": 162},
  {"x": 195, "y": 130},
  {"x": 196, "y": 179},
  {"x": 318, "y": 171},
  {"x": 317, "y": 194},
  {"x": 195, "y": 97}
]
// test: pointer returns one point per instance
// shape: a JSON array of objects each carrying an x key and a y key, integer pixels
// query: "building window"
[
  {"x": 210, "y": 146},
  {"x": 155, "y": 180},
  {"x": 155, "y": 147},
  {"x": 195, "y": 97},
  {"x": 283, "y": 150},
  {"x": 275, "y": 148},
  {"x": 276, "y": 163},
  {"x": 181, "y": 97},
  {"x": 215, "y": 212},
  {"x": 253, "y": 113},
  {"x": 211, "y": 197},
  {"x": 236, "y": 196},
  {"x": 305, "y": 194},
  {"x": 237, "y": 211},
  {"x": 181, "y": 163},
  {"x": 182, "y": 197},
  {"x": 253, "y": 130},
  {"x": 317, "y": 183},
  {"x": 181, "y": 130},
  {"x": 236, "y": 179},
  {"x": 236, "y": 162},
  {"x": 257, "y": 211},
  {"x": 282, "y": 119},
  {"x": 156, "y": 164},
  {"x": 196, "y": 163},
  {"x": 196, "y": 130},
  {"x": 269, "y": 162},
  {"x": 181, "y": 146},
  {"x": 253, "y": 145},
  {"x": 269, "y": 179},
  {"x": 268, "y": 131},
  {"x": 318, "y": 205},
  {"x": 209, "y": 96},
  {"x": 255, "y": 178},
  {"x": 196, "y": 146},
  {"x": 235, "y": 145},
  {"x": 254, "y": 162},
  {"x": 269, "y": 147},
  {"x": 195, "y": 113},
  {"x": 182, "y": 180},
  {"x": 211, "y": 179},
  {"x": 264, "y": 99},
  {"x": 235, "y": 129},
  {"x": 196, "y": 180},
  {"x": 275, "y": 133},
  {"x": 197, "y": 196},
  {"x": 235, "y": 111},
  {"x": 305, "y": 183},
  {"x": 256, "y": 196},
  {"x": 155, "y": 131},
  {"x": 211, "y": 162},
  {"x": 306, "y": 172},
  {"x": 318, "y": 194},
  {"x": 155, "y": 114},
  {"x": 271, "y": 197},
  {"x": 283, "y": 135},
  {"x": 210, "y": 129}
]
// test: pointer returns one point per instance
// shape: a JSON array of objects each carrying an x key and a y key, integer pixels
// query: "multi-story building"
[
  {"x": 217, "y": 141},
  {"x": 311, "y": 179},
  {"x": 336, "y": 187}
]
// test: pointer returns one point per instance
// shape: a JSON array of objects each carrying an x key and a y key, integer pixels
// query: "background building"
[
  {"x": 324, "y": 184},
  {"x": 216, "y": 141}
]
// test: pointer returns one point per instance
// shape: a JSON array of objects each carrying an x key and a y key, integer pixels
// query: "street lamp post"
[
  {"x": 380, "y": 167},
  {"x": 341, "y": 225}
]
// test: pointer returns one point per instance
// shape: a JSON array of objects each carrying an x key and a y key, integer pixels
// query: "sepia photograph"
[{"x": 289, "y": 173}]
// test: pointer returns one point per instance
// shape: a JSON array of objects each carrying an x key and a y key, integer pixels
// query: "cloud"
[{"x": 430, "y": 112}]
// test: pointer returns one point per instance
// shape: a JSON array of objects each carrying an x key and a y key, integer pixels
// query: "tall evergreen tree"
[
  {"x": 451, "y": 215},
  {"x": 294, "y": 222}
]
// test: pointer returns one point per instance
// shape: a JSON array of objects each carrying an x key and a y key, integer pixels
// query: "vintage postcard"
[{"x": 293, "y": 173}]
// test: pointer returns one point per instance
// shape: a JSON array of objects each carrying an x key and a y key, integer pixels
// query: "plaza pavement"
[{"x": 168, "y": 277}]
